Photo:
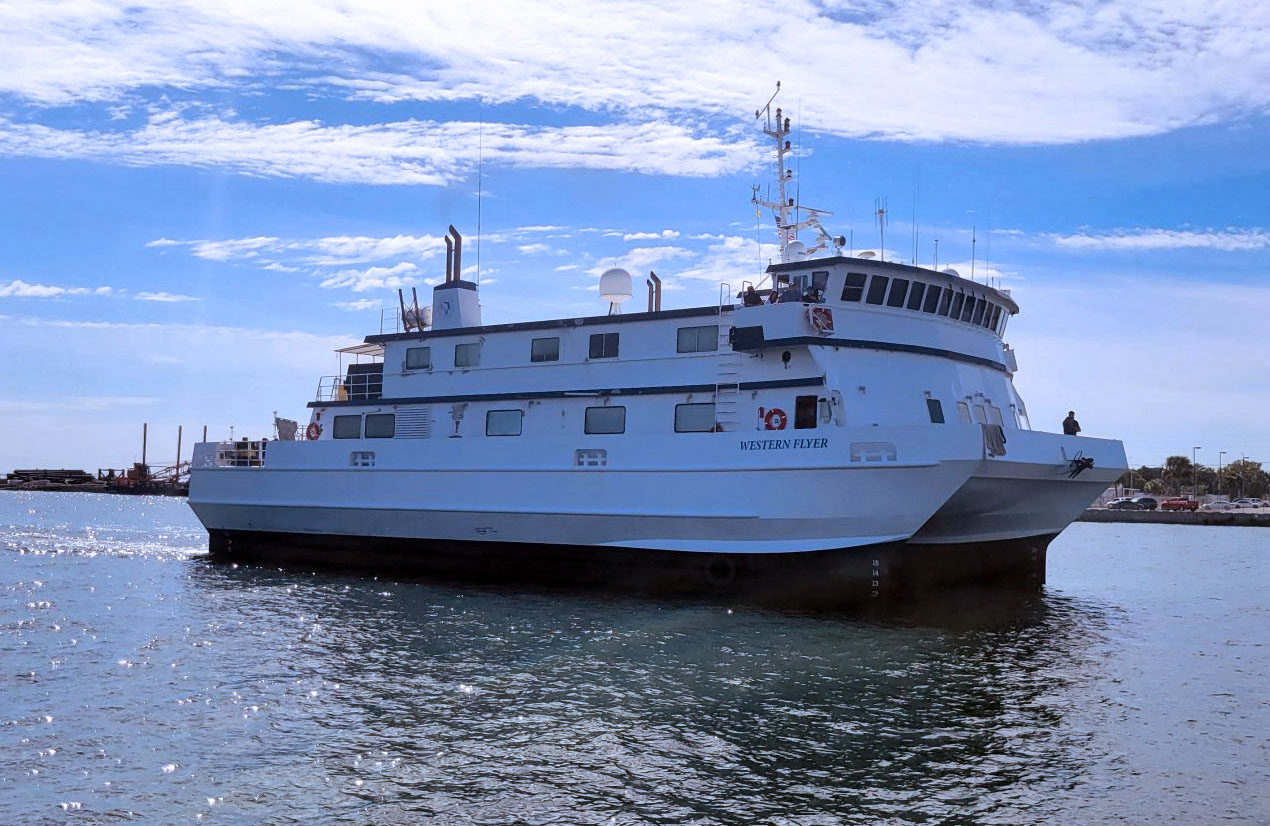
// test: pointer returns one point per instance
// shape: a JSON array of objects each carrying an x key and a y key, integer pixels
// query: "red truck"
[{"x": 1179, "y": 503}]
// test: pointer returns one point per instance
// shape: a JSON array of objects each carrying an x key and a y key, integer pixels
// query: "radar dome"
[
  {"x": 950, "y": 271},
  {"x": 867, "y": 254},
  {"x": 795, "y": 251},
  {"x": 615, "y": 285}
]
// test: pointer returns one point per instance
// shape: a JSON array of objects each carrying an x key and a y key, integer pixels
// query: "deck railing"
[{"x": 365, "y": 387}]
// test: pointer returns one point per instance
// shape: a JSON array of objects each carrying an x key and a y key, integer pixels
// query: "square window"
[
  {"x": 804, "y": 412},
  {"x": 347, "y": 427},
  {"x": 503, "y": 422},
  {"x": 853, "y": 289},
  {"x": 877, "y": 289},
  {"x": 467, "y": 355},
  {"x": 544, "y": 349},
  {"x": 899, "y": 289},
  {"x": 603, "y": 346},
  {"x": 418, "y": 358},
  {"x": 932, "y": 299},
  {"x": 698, "y": 339},
  {"x": 915, "y": 294},
  {"x": 381, "y": 425},
  {"x": 936, "y": 411},
  {"x": 694, "y": 418},
  {"x": 605, "y": 420}
]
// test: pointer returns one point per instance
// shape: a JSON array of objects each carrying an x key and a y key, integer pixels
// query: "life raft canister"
[
  {"x": 313, "y": 431},
  {"x": 821, "y": 319},
  {"x": 775, "y": 419}
]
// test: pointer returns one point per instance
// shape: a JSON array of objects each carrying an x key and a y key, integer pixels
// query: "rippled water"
[{"x": 138, "y": 681}]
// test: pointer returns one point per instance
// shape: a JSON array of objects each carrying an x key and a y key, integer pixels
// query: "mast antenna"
[
  {"x": 973, "y": 241},
  {"x": 879, "y": 212},
  {"x": 480, "y": 169}
]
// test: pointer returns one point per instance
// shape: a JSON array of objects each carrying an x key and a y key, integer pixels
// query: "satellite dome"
[
  {"x": 795, "y": 251},
  {"x": 950, "y": 271},
  {"x": 615, "y": 285},
  {"x": 867, "y": 254}
]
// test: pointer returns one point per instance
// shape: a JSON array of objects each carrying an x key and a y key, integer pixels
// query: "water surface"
[{"x": 139, "y": 682}]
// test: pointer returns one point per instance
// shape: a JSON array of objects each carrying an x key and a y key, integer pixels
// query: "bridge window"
[
  {"x": 698, "y": 339},
  {"x": 877, "y": 289},
  {"x": 932, "y": 299},
  {"x": 977, "y": 318},
  {"x": 347, "y": 427},
  {"x": 603, "y": 346},
  {"x": 605, "y": 420},
  {"x": 503, "y": 422},
  {"x": 969, "y": 309},
  {"x": 694, "y": 418},
  {"x": 853, "y": 289},
  {"x": 915, "y": 294},
  {"x": 996, "y": 317},
  {"x": 381, "y": 425},
  {"x": 899, "y": 289},
  {"x": 544, "y": 349},
  {"x": 945, "y": 302},
  {"x": 418, "y": 358},
  {"x": 955, "y": 312},
  {"x": 467, "y": 355}
]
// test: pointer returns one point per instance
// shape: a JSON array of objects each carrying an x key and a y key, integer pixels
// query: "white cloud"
[
  {"x": 404, "y": 152},
  {"x": 335, "y": 250},
  {"x": 638, "y": 259},
  {"x": 358, "y": 305},
  {"x": 171, "y": 298},
  {"x": 1012, "y": 71},
  {"x": 18, "y": 288},
  {"x": 1227, "y": 240},
  {"x": 373, "y": 278},
  {"x": 533, "y": 249},
  {"x": 664, "y": 235}
]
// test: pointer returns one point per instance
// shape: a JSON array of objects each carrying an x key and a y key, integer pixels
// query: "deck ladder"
[{"x": 727, "y": 380}]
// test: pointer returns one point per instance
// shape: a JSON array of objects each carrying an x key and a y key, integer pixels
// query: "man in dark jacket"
[{"x": 1070, "y": 426}]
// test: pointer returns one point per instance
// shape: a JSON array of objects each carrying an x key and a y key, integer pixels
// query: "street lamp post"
[
  {"x": 1194, "y": 473},
  {"x": 1220, "y": 454}
]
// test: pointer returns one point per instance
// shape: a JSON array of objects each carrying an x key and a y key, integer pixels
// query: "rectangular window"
[
  {"x": 503, "y": 422},
  {"x": 936, "y": 411},
  {"x": 467, "y": 355},
  {"x": 899, "y": 289},
  {"x": 418, "y": 358},
  {"x": 877, "y": 289},
  {"x": 381, "y": 425},
  {"x": 347, "y": 427},
  {"x": 853, "y": 289},
  {"x": 945, "y": 302},
  {"x": 698, "y": 339},
  {"x": 603, "y": 346},
  {"x": 915, "y": 294},
  {"x": 694, "y": 418},
  {"x": 996, "y": 317},
  {"x": 969, "y": 309},
  {"x": 994, "y": 415},
  {"x": 981, "y": 415},
  {"x": 977, "y": 318},
  {"x": 544, "y": 349},
  {"x": 932, "y": 299},
  {"x": 605, "y": 420},
  {"x": 955, "y": 312},
  {"x": 804, "y": 412},
  {"x": 963, "y": 413},
  {"x": 820, "y": 280}
]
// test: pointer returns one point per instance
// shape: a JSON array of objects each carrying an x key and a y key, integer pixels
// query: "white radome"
[{"x": 615, "y": 285}]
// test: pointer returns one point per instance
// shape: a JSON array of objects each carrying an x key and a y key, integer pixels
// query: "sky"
[{"x": 200, "y": 201}]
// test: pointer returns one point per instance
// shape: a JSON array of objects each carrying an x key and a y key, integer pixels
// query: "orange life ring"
[
  {"x": 313, "y": 431},
  {"x": 821, "y": 319},
  {"x": 775, "y": 419}
]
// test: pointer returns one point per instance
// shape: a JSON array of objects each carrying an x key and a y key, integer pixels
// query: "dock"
[{"x": 1253, "y": 518}]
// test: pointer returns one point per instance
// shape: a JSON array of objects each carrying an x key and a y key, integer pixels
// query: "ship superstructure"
[{"x": 847, "y": 426}]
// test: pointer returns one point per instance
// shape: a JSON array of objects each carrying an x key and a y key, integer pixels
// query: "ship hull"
[{"x": 883, "y": 572}]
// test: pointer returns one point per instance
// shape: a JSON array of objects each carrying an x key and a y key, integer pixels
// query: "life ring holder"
[
  {"x": 821, "y": 319},
  {"x": 313, "y": 431},
  {"x": 775, "y": 419}
]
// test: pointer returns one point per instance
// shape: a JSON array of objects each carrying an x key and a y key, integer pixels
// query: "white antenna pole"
[
  {"x": 935, "y": 267},
  {"x": 480, "y": 169},
  {"x": 972, "y": 252}
]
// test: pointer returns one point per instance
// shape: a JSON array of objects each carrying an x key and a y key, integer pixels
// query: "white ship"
[{"x": 854, "y": 434}]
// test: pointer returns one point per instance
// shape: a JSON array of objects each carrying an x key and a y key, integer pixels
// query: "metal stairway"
[{"x": 727, "y": 380}]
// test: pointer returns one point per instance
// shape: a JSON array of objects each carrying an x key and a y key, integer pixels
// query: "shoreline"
[{"x": 1259, "y": 518}]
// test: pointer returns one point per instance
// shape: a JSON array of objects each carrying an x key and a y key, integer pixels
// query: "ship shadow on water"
[{"x": 536, "y": 702}]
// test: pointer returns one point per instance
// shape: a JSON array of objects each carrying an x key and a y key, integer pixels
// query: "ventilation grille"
[{"x": 414, "y": 424}]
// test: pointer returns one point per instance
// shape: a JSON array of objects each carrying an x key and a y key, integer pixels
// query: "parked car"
[
  {"x": 1251, "y": 503},
  {"x": 1220, "y": 506},
  {"x": 1123, "y": 505},
  {"x": 1179, "y": 503},
  {"x": 1147, "y": 503}
]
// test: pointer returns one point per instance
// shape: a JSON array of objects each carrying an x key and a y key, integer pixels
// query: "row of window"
[
  {"x": 689, "y": 418},
  {"x": 986, "y": 413},
  {"x": 701, "y": 339},
  {"x": 927, "y": 298}
]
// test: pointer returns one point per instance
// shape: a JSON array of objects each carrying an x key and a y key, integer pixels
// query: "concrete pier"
[{"x": 1259, "y": 517}]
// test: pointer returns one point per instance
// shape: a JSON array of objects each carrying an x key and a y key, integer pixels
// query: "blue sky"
[{"x": 199, "y": 202}]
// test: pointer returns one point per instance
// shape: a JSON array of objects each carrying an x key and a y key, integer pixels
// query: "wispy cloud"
[
  {"x": 1227, "y": 240},
  {"x": 21, "y": 289},
  {"x": 170, "y": 298},
  {"x": 358, "y": 305},
  {"x": 373, "y": 278},
  {"x": 664, "y": 235}
]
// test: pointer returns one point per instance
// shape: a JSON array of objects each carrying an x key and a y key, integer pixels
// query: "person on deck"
[
  {"x": 1070, "y": 426},
  {"x": 752, "y": 298}
]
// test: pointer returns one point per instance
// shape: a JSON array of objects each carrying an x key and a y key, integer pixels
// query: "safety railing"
[
  {"x": 241, "y": 453},
  {"x": 353, "y": 387}
]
